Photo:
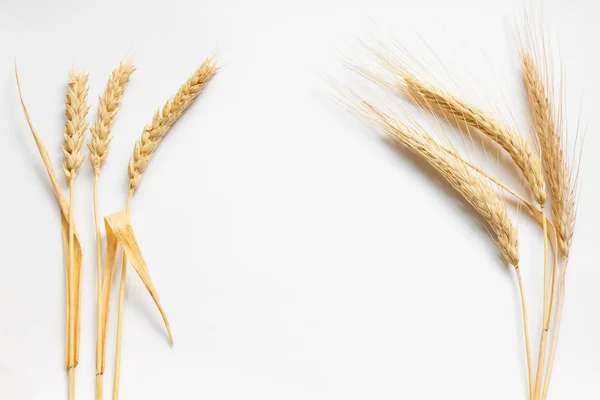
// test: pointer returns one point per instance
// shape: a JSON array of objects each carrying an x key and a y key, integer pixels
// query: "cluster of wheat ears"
[
  {"x": 119, "y": 232},
  {"x": 550, "y": 176}
]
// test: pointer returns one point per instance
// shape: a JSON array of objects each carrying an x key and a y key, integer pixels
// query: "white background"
[{"x": 297, "y": 256}]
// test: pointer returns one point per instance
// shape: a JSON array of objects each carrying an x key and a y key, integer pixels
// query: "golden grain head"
[
  {"x": 546, "y": 119},
  {"x": 162, "y": 121},
  {"x": 461, "y": 112},
  {"x": 108, "y": 106},
  {"x": 76, "y": 124},
  {"x": 474, "y": 189}
]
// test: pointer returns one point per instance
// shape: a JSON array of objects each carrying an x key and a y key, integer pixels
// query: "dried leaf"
[
  {"x": 64, "y": 209},
  {"x": 64, "y": 225},
  {"x": 119, "y": 230},
  {"x": 107, "y": 280}
]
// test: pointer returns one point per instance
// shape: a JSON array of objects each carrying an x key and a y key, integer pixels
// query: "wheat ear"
[
  {"x": 456, "y": 109},
  {"x": 108, "y": 106},
  {"x": 75, "y": 127},
  {"x": 76, "y": 124},
  {"x": 144, "y": 149},
  {"x": 163, "y": 119},
  {"x": 548, "y": 125}
]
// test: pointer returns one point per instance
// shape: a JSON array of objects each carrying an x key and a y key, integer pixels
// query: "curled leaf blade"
[
  {"x": 105, "y": 295},
  {"x": 119, "y": 227}
]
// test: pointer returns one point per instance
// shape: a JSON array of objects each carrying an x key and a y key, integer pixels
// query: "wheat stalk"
[
  {"x": 163, "y": 119},
  {"x": 543, "y": 123},
  {"x": 108, "y": 106},
  {"x": 75, "y": 127},
  {"x": 65, "y": 218},
  {"x": 144, "y": 149},
  {"x": 472, "y": 188},
  {"x": 547, "y": 124},
  {"x": 544, "y": 127}
]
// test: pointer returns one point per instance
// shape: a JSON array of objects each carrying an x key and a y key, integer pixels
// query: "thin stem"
[
  {"x": 99, "y": 386},
  {"x": 68, "y": 316},
  {"x": 490, "y": 177},
  {"x": 71, "y": 296},
  {"x": 117, "y": 372},
  {"x": 72, "y": 383},
  {"x": 540, "y": 367},
  {"x": 558, "y": 317},
  {"x": 100, "y": 319},
  {"x": 71, "y": 293},
  {"x": 545, "y": 315},
  {"x": 526, "y": 330},
  {"x": 553, "y": 282},
  {"x": 546, "y": 318}
]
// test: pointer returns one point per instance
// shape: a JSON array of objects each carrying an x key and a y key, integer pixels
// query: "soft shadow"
[{"x": 418, "y": 163}]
